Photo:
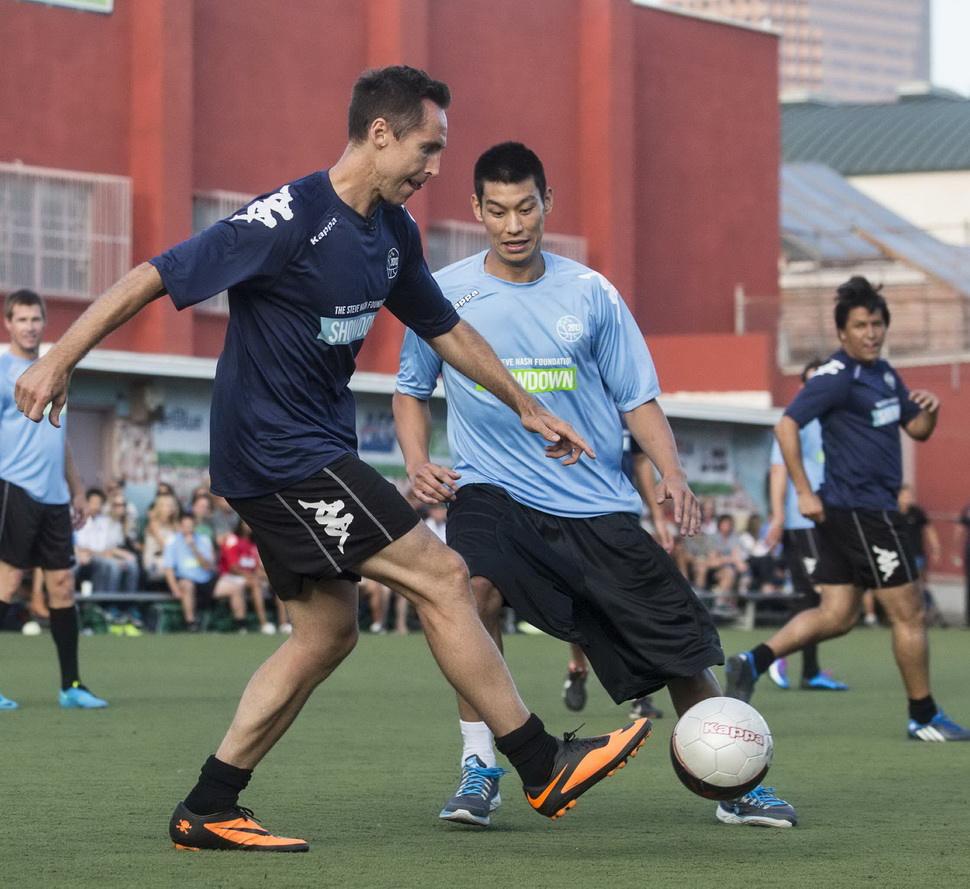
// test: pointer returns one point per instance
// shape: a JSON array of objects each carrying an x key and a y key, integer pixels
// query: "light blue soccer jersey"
[
  {"x": 570, "y": 340},
  {"x": 813, "y": 459},
  {"x": 31, "y": 454}
]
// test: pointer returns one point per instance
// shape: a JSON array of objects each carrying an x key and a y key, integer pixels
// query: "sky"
[{"x": 950, "y": 30}]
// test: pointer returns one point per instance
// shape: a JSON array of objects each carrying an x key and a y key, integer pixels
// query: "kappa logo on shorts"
[
  {"x": 887, "y": 560},
  {"x": 809, "y": 564},
  {"x": 328, "y": 515}
]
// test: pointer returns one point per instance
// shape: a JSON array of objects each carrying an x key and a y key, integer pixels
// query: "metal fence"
[
  {"x": 208, "y": 207},
  {"x": 63, "y": 233}
]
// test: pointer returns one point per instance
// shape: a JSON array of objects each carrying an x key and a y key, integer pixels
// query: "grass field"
[{"x": 363, "y": 772}]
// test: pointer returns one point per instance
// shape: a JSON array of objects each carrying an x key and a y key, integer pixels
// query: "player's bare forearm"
[
  {"x": 430, "y": 482},
  {"x": 648, "y": 425},
  {"x": 777, "y": 482},
  {"x": 466, "y": 350},
  {"x": 412, "y": 425},
  {"x": 786, "y": 431},
  {"x": 46, "y": 380}
]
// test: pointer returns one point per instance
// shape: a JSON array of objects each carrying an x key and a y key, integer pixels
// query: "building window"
[
  {"x": 208, "y": 207},
  {"x": 449, "y": 241},
  {"x": 63, "y": 233}
]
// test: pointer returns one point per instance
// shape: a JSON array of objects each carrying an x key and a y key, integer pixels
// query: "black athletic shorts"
[
  {"x": 322, "y": 528},
  {"x": 34, "y": 534},
  {"x": 800, "y": 547},
  {"x": 601, "y": 582},
  {"x": 866, "y": 548}
]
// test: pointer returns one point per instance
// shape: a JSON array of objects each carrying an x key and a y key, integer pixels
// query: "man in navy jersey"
[
  {"x": 566, "y": 551},
  {"x": 862, "y": 403},
  {"x": 307, "y": 268}
]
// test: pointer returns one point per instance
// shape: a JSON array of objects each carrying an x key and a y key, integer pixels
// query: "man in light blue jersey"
[
  {"x": 800, "y": 543},
  {"x": 564, "y": 548},
  {"x": 37, "y": 481}
]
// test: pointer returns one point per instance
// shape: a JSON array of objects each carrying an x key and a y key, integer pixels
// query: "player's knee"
[
  {"x": 487, "y": 598},
  {"x": 60, "y": 590}
]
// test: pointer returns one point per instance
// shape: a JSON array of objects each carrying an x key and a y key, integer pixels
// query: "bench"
[
  {"x": 752, "y": 602},
  {"x": 166, "y": 610}
]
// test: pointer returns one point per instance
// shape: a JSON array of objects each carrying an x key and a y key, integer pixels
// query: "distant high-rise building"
[{"x": 846, "y": 50}]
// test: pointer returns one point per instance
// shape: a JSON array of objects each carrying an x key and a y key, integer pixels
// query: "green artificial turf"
[{"x": 362, "y": 774}]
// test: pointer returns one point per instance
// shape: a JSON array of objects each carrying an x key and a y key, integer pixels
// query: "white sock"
[{"x": 477, "y": 739}]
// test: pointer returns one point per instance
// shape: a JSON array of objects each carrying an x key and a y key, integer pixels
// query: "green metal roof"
[{"x": 913, "y": 135}]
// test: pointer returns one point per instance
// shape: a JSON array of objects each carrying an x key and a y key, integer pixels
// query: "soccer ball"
[{"x": 721, "y": 748}]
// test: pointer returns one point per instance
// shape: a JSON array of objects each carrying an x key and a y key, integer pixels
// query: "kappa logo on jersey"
[
  {"x": 393, "y": 263},
  {"x": 830, "y": 367},
  {"x": 569, "y": 328},
  {"x": 809, "y": 564},
  {"x": 262, "y": 211},
  {"x": 320, "y": 235},
  {"x": 328, "y": 515},
  {"x": 467, "y": 298},
  {"x": 887, "y": 560}
]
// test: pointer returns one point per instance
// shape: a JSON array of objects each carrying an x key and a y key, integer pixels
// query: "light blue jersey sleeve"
[
  {"x": 620, "y": 351},
  {"x": 420, "y": 367},
  {"x": 813, "y": 460}
]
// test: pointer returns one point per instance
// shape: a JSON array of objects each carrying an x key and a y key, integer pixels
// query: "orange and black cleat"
[
  {"x": 581, "y": 763},
  {"x": 234, "y": 829}
]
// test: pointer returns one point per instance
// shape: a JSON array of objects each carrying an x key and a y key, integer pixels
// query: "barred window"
[
  {"x": 208, "y": 207},
  {"x": 450, "y": 240}
]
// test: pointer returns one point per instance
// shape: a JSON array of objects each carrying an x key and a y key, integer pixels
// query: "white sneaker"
[
  {"x": 268, "y": 629},
  {"x": 286, "y": 629},
  {"x": 31, "y": 628}
]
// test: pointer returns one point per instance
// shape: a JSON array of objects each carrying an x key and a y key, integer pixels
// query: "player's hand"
[
  {"x": 810, "y": 506},
  {"x": 926, "y": 400},
  {"x": 687, "y": 508},
  {"x": 661, "y": 533},
  {"x": 774, "y": 532},
  {"x": 43, "y": 383},
  {"x": 434, "y": 484},
  {"x": 79, "y": 511},
  {"x": 565, "y": 441}
]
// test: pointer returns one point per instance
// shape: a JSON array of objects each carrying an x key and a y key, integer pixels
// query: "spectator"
[
  {"x": 242, "y": 572},
  {"x": 190, "y": 564},
  {"x": 202, "y": 509},
  {"x": 100, "y": 544},
  {"x": 224, "y": 519},
  {"x": 726, "y": 566},
  {"x": 163, "y": 516},
  {"x": 762, "y": 565}
]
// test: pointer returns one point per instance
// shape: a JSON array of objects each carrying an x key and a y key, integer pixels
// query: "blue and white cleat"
[
  {"x": 824, "y": 682},
  {"x": 760, "y": 808},
  {"x": 7, "y": 704},
  {"x": 77, "y": 697},
  {"x": 778, "y": 673},
  {"x": 741, "y": 676},
  {"x": 939, "y": 728},
  {"x": 477, "y": 795}
]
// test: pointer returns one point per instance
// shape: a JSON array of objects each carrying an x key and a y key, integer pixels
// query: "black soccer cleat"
[{"x": 233, "y": 830}]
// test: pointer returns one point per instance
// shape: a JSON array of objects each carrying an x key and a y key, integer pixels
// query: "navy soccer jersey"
[
  {"x": 306, "y": 276},
  {"x": 861, "y": 408}
]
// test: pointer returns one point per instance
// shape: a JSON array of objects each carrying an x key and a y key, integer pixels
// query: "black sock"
[
  {"x": 531, "y": 750},
  {"x": 922, "y": 710},
  {"x": 810, "y": 667},
  {"x": 65, "y": 630},
  {"x": 763, "y": 658},
  {"x": 219, "y": 787},
  {"x": 4, "y": 608}
]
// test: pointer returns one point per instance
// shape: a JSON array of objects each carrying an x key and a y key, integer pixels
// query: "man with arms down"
[
  {"x": 565, "y": 550},
  {"x": 307, "y": 268}
]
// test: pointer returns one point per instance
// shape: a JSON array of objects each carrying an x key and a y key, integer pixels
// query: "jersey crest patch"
[
  {"x": 569, "y": 328},
  {"x": 262, "y": 211}
]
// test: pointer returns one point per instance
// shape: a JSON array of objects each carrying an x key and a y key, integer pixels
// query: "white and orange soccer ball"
[{"x": 721, "y": 748}]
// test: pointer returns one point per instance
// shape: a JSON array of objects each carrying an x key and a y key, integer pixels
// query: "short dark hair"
[
  {"x": 856, "y": 293},
  {"x": 509, "y": 162},
  {"x": 395, "y": 93},
  {"x": 94, "y": 492},
  {"x": 814, "y": 364},
  {"x": 23, "y": 298}
]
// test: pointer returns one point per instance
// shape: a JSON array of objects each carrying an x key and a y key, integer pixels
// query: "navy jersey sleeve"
[
  {"x": 416, "y": 299},
  {"x": 257, "y": 242},
  {"x": 828, "y": 389},
  {"x": 908, "y": 409}
]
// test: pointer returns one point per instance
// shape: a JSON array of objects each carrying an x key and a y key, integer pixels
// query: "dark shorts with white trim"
[
  {"x": 34, "y": 534},
  {"x": 602, "y": 582},
  {"x": 863, "y": 547},
  {"x": 325, "y": 526}
]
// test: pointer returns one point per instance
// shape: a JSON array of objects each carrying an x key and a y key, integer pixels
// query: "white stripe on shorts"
[
  {"x": 865, "y": 546},
  {"x": 899, "y": 546},
  {"x": 350, "y": 493}
]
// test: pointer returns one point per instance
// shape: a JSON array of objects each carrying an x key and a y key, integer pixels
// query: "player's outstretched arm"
[
  {"x": 46, "y": 380},
  {"x": 465, "y": 349},
  {"x": 777, "y": 483},
  {"x": 648, "y": 425},
  {"x": 430, "y": 482},
  {"x": 809, "y": 503}
]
